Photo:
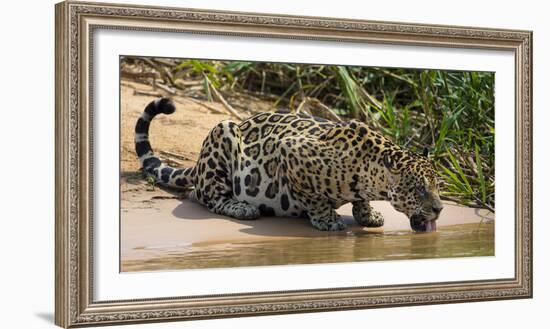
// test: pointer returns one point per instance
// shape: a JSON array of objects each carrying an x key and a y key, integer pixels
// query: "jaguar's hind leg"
[{"x": 218, "y": 161}]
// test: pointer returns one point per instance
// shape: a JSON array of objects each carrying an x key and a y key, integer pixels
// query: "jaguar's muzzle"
[{"x": 421, "y": 224}]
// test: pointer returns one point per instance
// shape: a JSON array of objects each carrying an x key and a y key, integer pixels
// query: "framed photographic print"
[{"x": 218, "y": 164}]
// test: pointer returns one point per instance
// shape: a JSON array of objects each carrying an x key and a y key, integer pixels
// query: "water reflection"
[{"x": 452, "y": 241}]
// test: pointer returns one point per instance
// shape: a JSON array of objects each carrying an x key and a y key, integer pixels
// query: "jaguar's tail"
[{"x": 151, "y": 164}]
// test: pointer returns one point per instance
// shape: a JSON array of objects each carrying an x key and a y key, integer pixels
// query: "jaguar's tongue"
[{"x": 431, "y": 226}]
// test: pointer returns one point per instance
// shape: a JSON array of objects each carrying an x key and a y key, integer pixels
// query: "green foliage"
[{"x": 151, "y": 182}]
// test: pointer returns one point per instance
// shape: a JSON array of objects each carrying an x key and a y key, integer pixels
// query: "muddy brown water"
[{"x": 467, "y": 240}]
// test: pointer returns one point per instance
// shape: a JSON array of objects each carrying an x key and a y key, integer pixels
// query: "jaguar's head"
[{"x": 414, "y": 189}]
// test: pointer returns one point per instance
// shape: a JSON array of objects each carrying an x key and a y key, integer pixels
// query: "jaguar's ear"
[
  {"x": 387, "y": 161},
  {"x": 425, "y": 152},
  {"x": 390, "y": 164}
]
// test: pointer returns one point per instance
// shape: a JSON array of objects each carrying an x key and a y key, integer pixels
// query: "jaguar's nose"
[{"x": 437, "y": 209}]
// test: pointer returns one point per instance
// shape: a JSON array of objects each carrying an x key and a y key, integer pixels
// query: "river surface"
[{"x": 466, "y": 240}]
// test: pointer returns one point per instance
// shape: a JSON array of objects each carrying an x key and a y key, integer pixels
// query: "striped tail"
[{"x": 173, "y": 177}]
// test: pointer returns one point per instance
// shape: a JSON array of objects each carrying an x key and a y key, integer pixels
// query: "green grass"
[{"x": 450, "y": 112}]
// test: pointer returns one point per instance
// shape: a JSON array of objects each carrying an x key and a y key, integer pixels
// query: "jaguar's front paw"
[
  {"x": 367, "y": 217},
  {"x": 334, "y": 224}
]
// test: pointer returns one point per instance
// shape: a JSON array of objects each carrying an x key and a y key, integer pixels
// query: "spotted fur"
[{"x": 277, "y": 164}]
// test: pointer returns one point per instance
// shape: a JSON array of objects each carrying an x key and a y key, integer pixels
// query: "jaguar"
[{"x": 284, "y": 164}]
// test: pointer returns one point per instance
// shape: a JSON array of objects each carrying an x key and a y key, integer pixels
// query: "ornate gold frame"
[{"x": 75, "y": 23}]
